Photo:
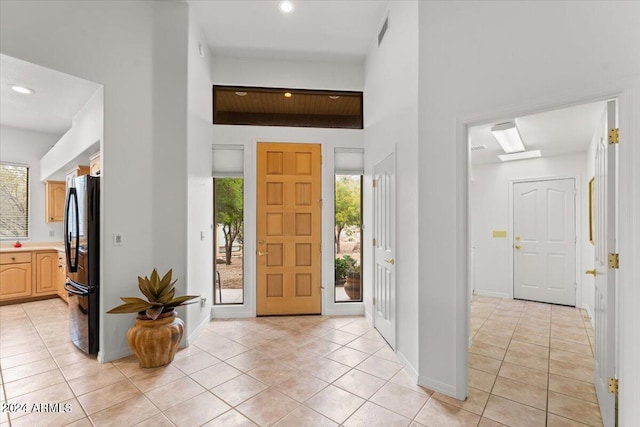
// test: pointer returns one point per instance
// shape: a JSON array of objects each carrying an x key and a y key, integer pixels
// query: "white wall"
[
  {"x": 137, "y": 50},
  {"x": 27, "y": 147},
  {"x": 491, "y": 207},
  {"x": 391, "y": 122},
  {"x": 286, "y": 73},
  {"x": 481, "y": 61},
  {"x": 199, "y": 182},
  {"x": 78, "y": 143}
]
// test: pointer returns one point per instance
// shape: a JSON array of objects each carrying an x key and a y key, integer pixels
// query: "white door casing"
[
  {"x": 384, "y": 276},
  {"x": 605, "y": 279},
  {"x": 544, "y": 246}
]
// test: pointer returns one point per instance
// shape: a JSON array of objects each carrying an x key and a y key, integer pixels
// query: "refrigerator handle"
[{"x": 68, "y": 235}]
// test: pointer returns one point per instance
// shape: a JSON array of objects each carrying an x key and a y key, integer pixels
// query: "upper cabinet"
[
  {"x": 95, "y": 165},
  {"x": 54, "y": 200},
  {"x": 76, "y": 172}
]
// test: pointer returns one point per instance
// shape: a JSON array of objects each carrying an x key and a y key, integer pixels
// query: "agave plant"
[{"x": 160, "y": 295}]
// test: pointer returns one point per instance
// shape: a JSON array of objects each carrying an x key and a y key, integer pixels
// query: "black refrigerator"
[{"x": 82, "y": 248}]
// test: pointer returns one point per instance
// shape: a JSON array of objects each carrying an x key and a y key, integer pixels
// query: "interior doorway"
[
  {"x": 567, "y": 148},
  {"x": 289, "y": 232}
]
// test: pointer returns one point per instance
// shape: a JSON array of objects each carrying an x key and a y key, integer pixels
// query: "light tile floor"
[{"x": 530, "y": 365}]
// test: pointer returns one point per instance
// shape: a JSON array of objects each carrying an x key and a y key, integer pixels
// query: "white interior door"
[
  {"x": 384, "y": 277},
  {"x": 544, "y": 247},
  {"x": 605, "y": 279}
]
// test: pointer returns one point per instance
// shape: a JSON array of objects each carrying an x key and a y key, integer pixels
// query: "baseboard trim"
[
  {"x": 408, "y": 367},
  {"x": 345, "y": 309},
  {"x": 491, "y": 294},
  {"x": 114, "y": 355},
  {"x": 438, "y": 386},
  {"x": 189, "y": 340},
  {"x": 588, "y": 310}
]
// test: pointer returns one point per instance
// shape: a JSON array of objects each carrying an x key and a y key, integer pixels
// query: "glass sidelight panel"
[
  {"x": 348, "y": 238},
  {"x": 228, "y": 241}
]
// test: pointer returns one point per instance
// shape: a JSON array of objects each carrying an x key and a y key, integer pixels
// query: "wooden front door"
[{"x": 289, "y": 229}]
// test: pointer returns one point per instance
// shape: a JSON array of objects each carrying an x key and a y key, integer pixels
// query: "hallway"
[{"x": 529, "y": 363}]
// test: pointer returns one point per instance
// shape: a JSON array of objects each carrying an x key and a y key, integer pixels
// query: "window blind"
[
  {"x": 228, "y": 161},
  {"x": 14, "y": 201},
  {"x": 349, "y": 161}
]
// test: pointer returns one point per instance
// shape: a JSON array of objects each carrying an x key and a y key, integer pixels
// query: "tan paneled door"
[{"x": 289, "y": 229}]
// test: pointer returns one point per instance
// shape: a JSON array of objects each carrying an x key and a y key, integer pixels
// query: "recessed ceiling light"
[
  {"x": 287, "y": 95},
  {"x": 520, "y": 156},
  {"x": 334, "y": 97},
  {"x": 241, "y": 93},
  {"x": 22, "y": 89},
  {"x": 286, "y": 6}
]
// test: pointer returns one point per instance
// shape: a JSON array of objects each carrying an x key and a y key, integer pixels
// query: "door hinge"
[
  {"x": 374, "y": 242},
  {"x": 374, "y": 300},
  {"x": 614, "y": 260},
  {"x": 613, "y": 136},
  {"x": 320, "y": 247},
  {"x": 613, "y": 386},
  {"x": 374, "y": 183},
  {"x": 320, "y": 158},
  {"x": 321, "y": 204}
]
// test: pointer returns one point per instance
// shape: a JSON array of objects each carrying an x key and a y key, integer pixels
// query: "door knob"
[
  {"x": 262, "y": 253},
  {"x": 517, "y": 246},
  {"x": 592, "y": 272},
  {"x": 390, "y": 261}
]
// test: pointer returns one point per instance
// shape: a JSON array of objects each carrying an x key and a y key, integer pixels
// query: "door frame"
[
  {"x": 250, "y": 144},
  {"x": 628, "y": 96},
  {"x": 578, "y": 179}
]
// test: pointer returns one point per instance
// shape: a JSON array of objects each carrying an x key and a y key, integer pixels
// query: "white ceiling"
[
  {"x": 51, "y": 108},
  {"x": 562, "y": 131},
  {"x": 316, "y": 30}
]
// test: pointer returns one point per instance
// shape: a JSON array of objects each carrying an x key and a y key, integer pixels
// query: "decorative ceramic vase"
[
  {"x": 352, "y": 287},
  {"x": 155, "y": 342}
]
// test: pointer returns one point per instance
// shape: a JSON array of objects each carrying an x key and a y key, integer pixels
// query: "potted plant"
[
  {"x": 155, "y": 337},
  {"x": 352, "y": 286},
  {"x": 343, "y": 268}
]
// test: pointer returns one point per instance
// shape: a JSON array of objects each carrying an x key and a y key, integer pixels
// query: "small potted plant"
[
  {"x": 155, "y": 337},
  {"x": 352, "y": 286}
]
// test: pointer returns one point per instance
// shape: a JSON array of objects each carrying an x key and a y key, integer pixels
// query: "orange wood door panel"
[{"x": 289, "y": 229}]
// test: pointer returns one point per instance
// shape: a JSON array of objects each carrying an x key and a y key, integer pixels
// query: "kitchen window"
[{"x": 14, "y": 201}]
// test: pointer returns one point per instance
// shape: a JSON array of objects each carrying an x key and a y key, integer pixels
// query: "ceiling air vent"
[
  {"x": 383, "y": 30},
  {"x": 478, "y": 147}
]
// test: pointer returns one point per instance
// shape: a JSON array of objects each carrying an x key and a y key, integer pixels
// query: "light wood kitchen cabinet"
[
  {"x": 61, "y": 276},
  {"x": 95, "y": 165},
  {"x": 56, "y": 192},
  {"x": 76, "y": 172},
  {"x": 15, "y": 275},
  {"x": 46, "y": 266}
]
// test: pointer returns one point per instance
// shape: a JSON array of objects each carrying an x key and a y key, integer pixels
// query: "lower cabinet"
[
  {"x": 15, "y": 275},
  {"x": 26, "y": 274},
  {"x": 46, "y": 273},
  {"x": 61, "y": 277}
]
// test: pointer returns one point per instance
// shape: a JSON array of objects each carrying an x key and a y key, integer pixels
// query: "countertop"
[{"x": 26, "y": 247}]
